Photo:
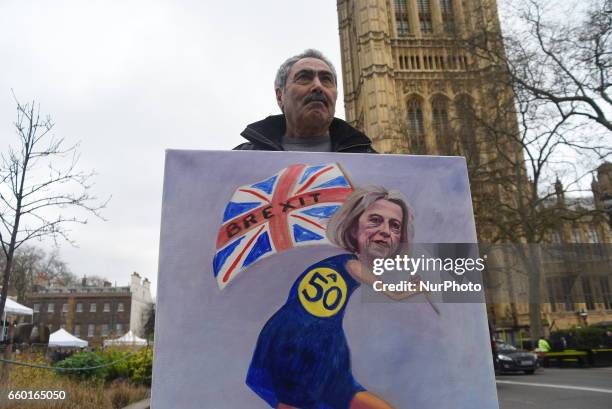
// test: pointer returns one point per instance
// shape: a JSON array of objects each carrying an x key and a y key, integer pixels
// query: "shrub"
[
  {"x": 580, "y": 338},
  {"x": 83, "y": 360},
  {"x": 122, "y": 394},
  {"x": 137, "y": 368},
  {"x": 141, "y": 366},
  {"x": 119, "y": 370}
]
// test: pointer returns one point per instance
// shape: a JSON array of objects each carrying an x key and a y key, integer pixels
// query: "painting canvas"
[{"x": 263, "y": 297}]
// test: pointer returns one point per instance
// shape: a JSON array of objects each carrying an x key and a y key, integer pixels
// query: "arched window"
[
  {"x": 424, "y": 7},
  {"x": 440, "y": 125},
  {"x": 402, "y": 18},
  {"x": 415, "y": 117},
  {"x": 439, "y": 109},
  {"x": 465, "y": 127},
  {"x": 448, "y": 17},
  {"x": 415, "y": 127}
]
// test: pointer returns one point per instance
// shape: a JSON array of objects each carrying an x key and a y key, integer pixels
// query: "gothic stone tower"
[
  {"x": 407, "y": 83},
  {"x": 413, "y": 84}
]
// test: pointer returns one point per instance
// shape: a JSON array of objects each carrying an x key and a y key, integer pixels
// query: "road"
[{"x": 554, "y": 388}]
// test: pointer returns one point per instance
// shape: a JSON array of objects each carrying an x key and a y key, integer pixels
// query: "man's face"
[
  {"x": 309, "y": 98},
  {"x": 379, "y": 230}
]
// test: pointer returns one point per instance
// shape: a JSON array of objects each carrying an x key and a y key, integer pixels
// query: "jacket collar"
[{"x": 269, "y": 133}]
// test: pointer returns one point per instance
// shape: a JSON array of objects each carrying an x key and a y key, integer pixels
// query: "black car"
[{"x": 510, "y": 359}]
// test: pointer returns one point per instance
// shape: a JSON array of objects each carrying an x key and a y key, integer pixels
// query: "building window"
[
  {"x": 439, "y": 108},
  {"x": 415, "y": 128},
  {"x": 120, "y": 307},
  {"x": 64, "y": 308},
  {"x": 424, "y": 7},
  {"x": 467, "y": 13},
  {"x": 415, "y": 118},
  {"x": 51, "y": 307},
  {"x": 551, "y": 294},
  {"x": 402, "y": 18},
  {"x": 448, "y": 18},
  {"x": 92, "y": 307},
  {"x": 588, "y": 293},
  {"x": 90, "y": 330},
  {"x": 36, "y": 307},
  {"x": 593, "y": 235},
  {"x": 605, "y": 292},
  {"x": 77, "y": 330},
  {"x": 106, "y": 307},
  {"x": 597, "y": 247},
  {"x": 466, "y": 129},
  {"x": 104, "y": 330},
  {"x": 79, "y": 307},
  {"x": 576, "y": 235},
  {"x": 119, "y": 328},
  {"x": 566, "y": 287},
  {"x": 556, "y": 237}
]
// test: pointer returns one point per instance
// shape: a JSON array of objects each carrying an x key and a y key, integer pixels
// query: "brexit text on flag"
[{"x": 289, "y": 209}]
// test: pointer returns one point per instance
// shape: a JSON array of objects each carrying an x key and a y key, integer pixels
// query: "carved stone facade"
[
  {"x": 405, "y": 79},
  {"x": 576, "y": 271},
  {"x": 411, "y": 87}
]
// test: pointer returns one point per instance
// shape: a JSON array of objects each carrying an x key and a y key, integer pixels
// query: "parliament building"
[{"x": 413, "y": 87}]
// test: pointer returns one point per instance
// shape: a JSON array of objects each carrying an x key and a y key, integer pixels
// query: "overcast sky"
[{"x": 130, "y": 79}]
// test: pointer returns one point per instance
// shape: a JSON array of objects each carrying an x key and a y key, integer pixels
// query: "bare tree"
[
  {"x": 32, "y": 265},
  {"x": 565, "y": 62},
  {"x": 96, "y": 281},
  {"x": 55, "y": 272},
  {"x": 149, "y": 321},
  {"x": 42, "y": 191},
  {"x": 547, "y": 88},
  {"x": 27, "y": 263}
]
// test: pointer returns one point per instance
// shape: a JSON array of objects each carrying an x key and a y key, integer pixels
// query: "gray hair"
[
  {"x": 283, "y": 71},
  {"x": 340, "y": 229}
]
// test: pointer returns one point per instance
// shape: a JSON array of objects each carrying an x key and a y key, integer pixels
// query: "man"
[
  {"x": 306, "y": 92},
  {"x": 543, "y": 345}
]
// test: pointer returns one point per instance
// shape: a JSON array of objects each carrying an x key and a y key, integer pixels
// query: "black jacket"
[{"x": 266, "y": 135}]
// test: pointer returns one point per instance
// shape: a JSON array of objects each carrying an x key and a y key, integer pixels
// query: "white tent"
[
  {"x": 15, "y": 308},
  {"x": 62, "y": 338},
  {"x": 127, "y": 339},
  {"x": 12, "y": 308}
]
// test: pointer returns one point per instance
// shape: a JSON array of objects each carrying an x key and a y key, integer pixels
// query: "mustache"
[{"x": 315, "y": 97}]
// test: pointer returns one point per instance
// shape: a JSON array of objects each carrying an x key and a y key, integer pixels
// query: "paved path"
[
  {"x": 143, "y": 404},
  {"x": 554, "y": 388}
]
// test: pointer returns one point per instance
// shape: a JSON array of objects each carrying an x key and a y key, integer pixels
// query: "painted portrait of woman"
[{"x": 302, "y": 357}]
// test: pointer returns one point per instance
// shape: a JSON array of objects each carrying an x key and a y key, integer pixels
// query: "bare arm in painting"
[{"x": 362, "y": 274}]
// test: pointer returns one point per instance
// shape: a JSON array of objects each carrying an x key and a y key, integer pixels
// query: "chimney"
[
  {"x": 84, "y": 281},
  {"x": 135, "y": 281}
]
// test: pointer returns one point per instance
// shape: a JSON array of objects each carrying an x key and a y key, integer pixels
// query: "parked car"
[{"x": 510, "y": 359}]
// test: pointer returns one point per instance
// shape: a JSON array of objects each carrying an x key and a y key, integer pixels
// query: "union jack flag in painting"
[{"x": 289, "y": 209}]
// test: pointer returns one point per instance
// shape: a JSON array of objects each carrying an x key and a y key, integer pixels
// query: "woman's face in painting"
[{"x": 379, "y": 230}]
